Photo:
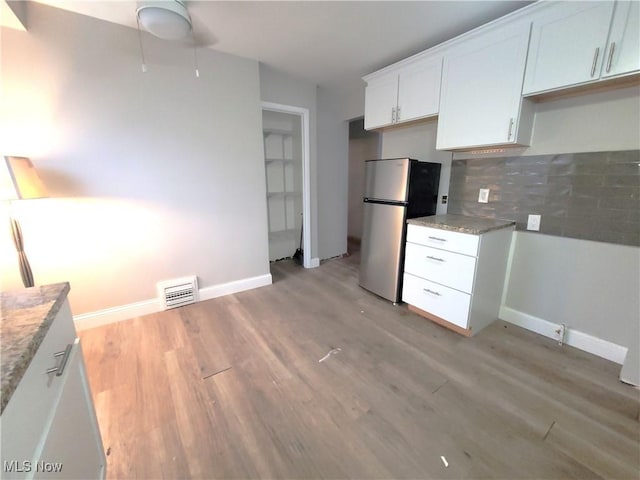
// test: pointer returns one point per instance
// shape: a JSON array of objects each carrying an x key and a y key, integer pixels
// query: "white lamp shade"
[
  {"x": 168, "y": 20},
  {"x": 19, "y": 180}
]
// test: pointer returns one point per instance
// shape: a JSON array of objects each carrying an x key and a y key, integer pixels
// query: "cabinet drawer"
[
  {"x": 447, "y": 268},
  {"x": 32, "y": 402},
  {"x": 446, "y": 303},
  {"x": 444, "y": 239}
]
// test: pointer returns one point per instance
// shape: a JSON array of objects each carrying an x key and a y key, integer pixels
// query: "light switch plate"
[
  {"x": 483, "y": 196},
  {"x": 533, "y": 222}
]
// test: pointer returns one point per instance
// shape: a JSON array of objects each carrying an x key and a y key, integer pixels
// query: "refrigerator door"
[
  {"x": 381, "y": 249},
  {"x": 386, "y": 179}
]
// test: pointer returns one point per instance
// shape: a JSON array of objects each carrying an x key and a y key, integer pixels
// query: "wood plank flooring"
[{"x": 233, "y": 388}]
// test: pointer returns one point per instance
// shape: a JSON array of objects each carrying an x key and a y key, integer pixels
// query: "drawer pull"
[
  {"x": 63, "y": 363},
  {"x": 438, "y": 239},
  {"x": 435, "y": 258},
  {"x": 431, "y": 292}
]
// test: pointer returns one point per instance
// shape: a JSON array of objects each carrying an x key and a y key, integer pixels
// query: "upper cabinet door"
[
  {"x": 481, "y": 101},
  {"x": 419, "y": 89},
  {"x": 623, "y": 50},
  {"x": 567, "y": 45},
  {"x": 380, "y": 101}
]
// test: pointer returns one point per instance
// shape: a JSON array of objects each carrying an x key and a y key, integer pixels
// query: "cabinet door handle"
[
  {"x": 398, "y": 114},
  {"x": 609, "y": 60},
  {"x": 595, "y": 61},
  {"x": 431, "y": 292},
  {"x": 63, "y": 363},
  {"x": 435, "y": 258},
  {"x": 438, "y": 239},
  {"x": 510, "y": 128},
  {"x": 393, "y": 115}
]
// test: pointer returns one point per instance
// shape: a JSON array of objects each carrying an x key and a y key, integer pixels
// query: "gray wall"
[
  {"x": 152, "y": 176},
  {"x": 419, "y": 141},
  {"x": 593, "y": 196},
  {"x": 282, "y": 88},
  {"x": 329, "y": 110},
  {"x": 589, "y": 286},
  {"x": 361, "y": 148},
  {"x": 333, "y": 174},
  {"x": 540, "y": 285}
]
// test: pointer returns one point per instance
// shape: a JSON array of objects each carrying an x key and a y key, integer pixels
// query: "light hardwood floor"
[{"x": 233, "y": 388}]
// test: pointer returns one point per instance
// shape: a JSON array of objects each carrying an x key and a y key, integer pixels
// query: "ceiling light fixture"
[{"x": 168, "y": 20}]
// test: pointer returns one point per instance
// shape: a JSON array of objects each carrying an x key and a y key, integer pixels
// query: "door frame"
[{"x": 303, "y": 113}]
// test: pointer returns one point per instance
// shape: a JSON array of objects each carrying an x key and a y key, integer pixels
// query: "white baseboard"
[
  {"x": 583, "y": 341},
  {"x": 89, "y": 320},
  {"x": 315, "y": 262},
  {"x": 222, "y": 289},
  {"x": 145, "y": 307}
]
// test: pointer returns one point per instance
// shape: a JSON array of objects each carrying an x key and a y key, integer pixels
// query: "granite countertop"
[
  {"x": 25, "y": 318},
  {"x": 461, "y": 223}
]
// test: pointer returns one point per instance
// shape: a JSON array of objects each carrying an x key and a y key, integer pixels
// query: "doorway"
[{"x": 286, "y": 159}]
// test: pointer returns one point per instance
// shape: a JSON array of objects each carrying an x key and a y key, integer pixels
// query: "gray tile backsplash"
[{"x": 592, "y": 196}]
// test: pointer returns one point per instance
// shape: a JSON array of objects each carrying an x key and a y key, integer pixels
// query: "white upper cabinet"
[
  {"x": 571, "y": 44},
  {"x": 419, "y": 89},
  {"x": 380, "y": 101},
  {"x": 403, "y": 93},
  {"x": 481, "y": 102},
  {"x": 623, "y": 49}
]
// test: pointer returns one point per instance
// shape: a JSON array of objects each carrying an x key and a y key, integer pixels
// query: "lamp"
[
  {"x": 168, "y": 20},
  {"x": 20, "y": 181}
]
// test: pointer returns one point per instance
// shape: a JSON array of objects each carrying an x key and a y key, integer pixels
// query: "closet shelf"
[
  {"x": 283, "y": 160},
  {"x": 283, "y": 194},
  {"x": 276, "y": 131}
]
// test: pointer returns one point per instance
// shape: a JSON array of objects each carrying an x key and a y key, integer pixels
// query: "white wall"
[
  {"x": 419, "y": 141},
  {"x": 152, "y": 176}
]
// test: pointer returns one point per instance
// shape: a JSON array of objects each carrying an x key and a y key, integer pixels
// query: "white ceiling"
[{"x": 331, "y": 43}]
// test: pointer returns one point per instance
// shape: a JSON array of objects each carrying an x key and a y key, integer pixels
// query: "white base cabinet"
[
  {"x": 73, "y": 440},
  {"x": 49, "y": 427},
  {"x": 456, "y": 279}
]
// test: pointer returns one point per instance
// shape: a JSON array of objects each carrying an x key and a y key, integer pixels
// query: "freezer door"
[
  {"x": 381, "y": 249},
  {"x": 387, "y": 179}
]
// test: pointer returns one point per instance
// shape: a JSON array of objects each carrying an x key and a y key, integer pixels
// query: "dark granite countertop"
[
  {"x": 462, "y": 223},
  {"x": 25, "y": 318}
]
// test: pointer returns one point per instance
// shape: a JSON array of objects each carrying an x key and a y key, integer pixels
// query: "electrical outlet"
[
  {"x": 533, "y": 222},
  {"x": 560, "y": 334},
  {"x": 483, "y": 196}
]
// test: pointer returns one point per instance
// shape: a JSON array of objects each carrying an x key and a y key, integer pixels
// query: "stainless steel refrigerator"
[{"x": 395, "y": 190}]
